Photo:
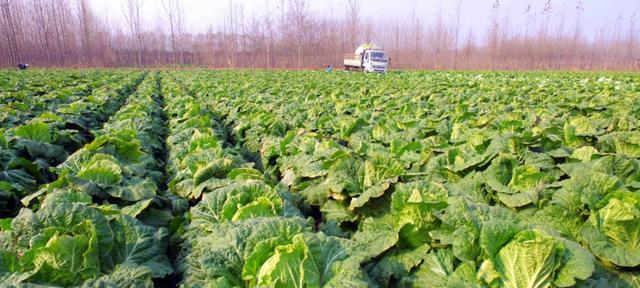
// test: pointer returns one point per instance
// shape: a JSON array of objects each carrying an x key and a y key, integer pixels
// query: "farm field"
[{"x": 196, "y": 178}]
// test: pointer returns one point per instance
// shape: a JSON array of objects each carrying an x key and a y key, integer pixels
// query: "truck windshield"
[{"x": 378, "y": 56}]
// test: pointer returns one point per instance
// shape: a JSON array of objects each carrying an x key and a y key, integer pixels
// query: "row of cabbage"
[
  {"x": 17, "y": 84},
  {"x": 27, "y": 151},
  {"x": 455, "y": 179},
  {"x": 93, "y": 226},
  {"x": 242, "y": 230},
  {"x": 20, "y": 106}
]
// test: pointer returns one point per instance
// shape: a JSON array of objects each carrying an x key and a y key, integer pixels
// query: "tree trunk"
[{"x": 8, "y": 22}]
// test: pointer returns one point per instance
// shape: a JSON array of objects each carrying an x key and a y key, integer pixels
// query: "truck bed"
[{"x": 352, "y": 62}]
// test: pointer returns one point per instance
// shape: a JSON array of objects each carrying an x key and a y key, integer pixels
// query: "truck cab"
[{"x": 375, "y": 61}]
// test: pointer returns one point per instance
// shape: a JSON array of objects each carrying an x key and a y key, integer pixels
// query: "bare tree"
[
  {"x": 42, "y": 28},
  {"x": 631, "y": 37},
  {"x": 8, "y": 22},
  {"x": 577, "y": 31},
  {"x": 67, "y": 35},
  {"x": 417, "y": 36},
  {"x": 131, "y": 11},
  {"x": 231, "y": 19},
  {"x": 180, "y": 26},
  {"x": 494, "y": 32},
  {"x": 85, "y": 20},
  {"x": 353, "y": 13},
  {"x": 457, "y": 33},
  {"x": 283, "y": 31},
  {"x": 58, "y": 30},
  {"x": 211, "y": 45},
  {"x": 298, "y": 17},
  {"x": 439, "y": 38},
  {"x": 268, "y": 23},
  {"x": 169, "y": 7}
]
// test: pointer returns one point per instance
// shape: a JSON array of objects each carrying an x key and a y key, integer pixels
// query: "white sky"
[{"x": 475, "y": 15}]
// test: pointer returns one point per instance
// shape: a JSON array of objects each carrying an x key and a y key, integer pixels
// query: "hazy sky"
[{"x": 475, "y": 15}]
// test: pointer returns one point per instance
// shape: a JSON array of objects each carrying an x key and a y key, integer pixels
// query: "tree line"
[{"x": 69, "y": 33}]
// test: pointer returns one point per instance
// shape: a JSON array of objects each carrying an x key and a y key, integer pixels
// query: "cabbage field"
[{"x": 197, "y": 178}]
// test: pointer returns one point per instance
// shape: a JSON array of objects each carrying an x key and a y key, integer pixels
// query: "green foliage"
[
  {"x": 440, "y": 179},
  {"x": 67, "y": 243},
  {"x": 307, "y": 179}
]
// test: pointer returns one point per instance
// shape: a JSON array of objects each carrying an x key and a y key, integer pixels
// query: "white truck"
[{"x": 368, "y": 58}]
